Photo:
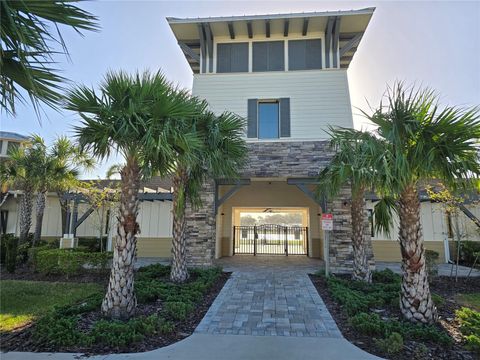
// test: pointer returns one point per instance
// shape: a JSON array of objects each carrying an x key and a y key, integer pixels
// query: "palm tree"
[
  {"x": 19, "y": 171},
  {"x": 134, "y": 116},
  {"x": 355, "y": 163},
  {"x": 55, "y": 168},
  {"x": 220, "y": 154},
  {"x": 424, "y": 142},
  {"x": 29, "y": 29}
]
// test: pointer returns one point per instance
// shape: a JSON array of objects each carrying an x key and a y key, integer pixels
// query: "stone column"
[{"x": 200, "y": 229}]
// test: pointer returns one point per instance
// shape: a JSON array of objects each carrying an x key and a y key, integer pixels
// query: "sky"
[{"x": 434, "y": 44}]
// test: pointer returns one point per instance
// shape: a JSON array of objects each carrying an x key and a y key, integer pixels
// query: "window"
[
  {"x": 268, "y": 120},
  {"x": 12, "y": 146},
  {"x": 305, "y": 54},
  {"x": 107, "y": 222},
  {"x": 371, "y": 223},
  {"x": 268, "y": 56},
  {"x": 232, "y": 57}
]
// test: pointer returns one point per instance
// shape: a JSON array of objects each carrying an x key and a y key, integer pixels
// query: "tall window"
[
  {"x": 305, "y": 54},
  {"x": 232, "y": 57},
  {"x": 268, "y": 120},
  {"x": 268, "y": 56}
]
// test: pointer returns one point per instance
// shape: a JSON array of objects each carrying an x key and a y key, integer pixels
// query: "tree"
[
  {"x": 355, "y": 163},
  {"x": 18, "y": 171},
  {"x": 218, "y": 151},
  {"x": 134, "y": 115},
  {"x": 29, "y": 29},
  {"x": 423, "y": 142},
  {"x": 55, "y": 169}
]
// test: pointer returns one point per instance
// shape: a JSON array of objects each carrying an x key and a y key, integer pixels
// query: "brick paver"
[{"x": 270, "y": 296}]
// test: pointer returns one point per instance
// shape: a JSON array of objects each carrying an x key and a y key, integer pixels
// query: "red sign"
[
  {"x": 327, "y": 222},
  {"x": 327, "y": 216}
]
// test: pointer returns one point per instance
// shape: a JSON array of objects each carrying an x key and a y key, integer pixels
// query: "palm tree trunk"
[
  {"x": 415, "y": 300},
  {"x": 361, "y": 267},
  {"x": 26, "y": 205},
  {"x": 40, "y": 210},
  {"x": 120, "y": 300},
  {"x": 179, "y": 271}
]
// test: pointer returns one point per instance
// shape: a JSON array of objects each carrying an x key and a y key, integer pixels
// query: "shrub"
[
  {"x": 386, "y": 276},
  {"x": 177, "y": 310},
  {"x": 420, "y": 352},
  {"x": 438, "y": 300},
  {"x": 468, "y": 252},
  {"x": 92, "y": 244},
  {"x": 470, "y": 327},
  {"x": 69, "y": 261},
  {"x": 431, "y": 258},
  {"x": 368, "y": 324},
  {"x": 11, "y": 244},
  {"x": 58, "y": 331},
  {"x": 392, "y": 344}
]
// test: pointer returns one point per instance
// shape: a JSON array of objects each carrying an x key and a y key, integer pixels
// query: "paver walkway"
[{"x": 269, "y": 296}]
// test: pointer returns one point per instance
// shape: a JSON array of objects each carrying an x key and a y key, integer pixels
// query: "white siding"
[{"x": 318, "y": 98}]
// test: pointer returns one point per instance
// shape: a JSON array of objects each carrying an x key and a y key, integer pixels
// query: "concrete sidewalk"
[{"x": 230, "y": 347}]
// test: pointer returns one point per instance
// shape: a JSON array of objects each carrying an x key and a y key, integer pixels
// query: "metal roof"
[
  {"x": 352, "y": 25},
  {"x": 7, "y": 135}
]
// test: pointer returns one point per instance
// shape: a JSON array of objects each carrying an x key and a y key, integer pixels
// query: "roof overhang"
[{"x": 352, "y": 24}]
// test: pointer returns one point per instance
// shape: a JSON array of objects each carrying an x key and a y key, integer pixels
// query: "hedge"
[{"x": 69, "y": 261}]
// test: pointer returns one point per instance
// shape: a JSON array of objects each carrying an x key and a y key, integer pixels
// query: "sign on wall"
[{"x": 327, "y": 222}]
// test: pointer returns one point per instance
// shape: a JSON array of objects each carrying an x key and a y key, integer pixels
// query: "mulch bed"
[
  {"x": 444, "y": 286},
  {"x": 21, "y": 340}
]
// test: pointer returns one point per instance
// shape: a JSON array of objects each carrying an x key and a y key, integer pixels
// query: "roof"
[
  {"x": 7, "y": 135},
  {"x": 352, "y": 25},
  {"x": 154, "y": 184}
]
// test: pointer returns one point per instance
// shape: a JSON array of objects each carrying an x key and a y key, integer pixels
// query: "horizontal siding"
[{"x": 318, "y": 98}]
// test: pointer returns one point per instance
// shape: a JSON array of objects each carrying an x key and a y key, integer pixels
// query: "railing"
[{"x": 270, "y": 240}]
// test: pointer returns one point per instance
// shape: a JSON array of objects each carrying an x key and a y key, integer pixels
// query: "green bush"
[
  {"x": 470, "y": 327},
  {"x": 372, "y": 324},
  {"x": 10, "y": 242},
  {"x": 386, "y": 276},
  {"x": 431, "y": 258},
  {"x": 92, "y": 244},
  {"x": 392, "y": 344},
  {"x": 69, "y": 261},
  {"x": 420, "y": 352},
  {"x": 177, "y": 310},
  {"x": 438, "y": 300},
  {"x": 468, "y": 252},
  {"x": 58, "y": 331}
]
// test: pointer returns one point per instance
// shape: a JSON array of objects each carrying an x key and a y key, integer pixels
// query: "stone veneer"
[{"x": 300, "y": 159}]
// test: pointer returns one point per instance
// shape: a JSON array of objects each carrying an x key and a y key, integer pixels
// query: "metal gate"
[{"x": 270, "y": 240}]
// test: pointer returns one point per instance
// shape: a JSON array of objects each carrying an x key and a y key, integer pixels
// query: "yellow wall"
[
  {"x": 154, "y": 247},
  {"x": 389, "y": 250}
]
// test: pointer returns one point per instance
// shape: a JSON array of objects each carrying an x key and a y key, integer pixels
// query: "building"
[
  {"x": 287, "y": 75},
  {"x": 9, "y": 141}
]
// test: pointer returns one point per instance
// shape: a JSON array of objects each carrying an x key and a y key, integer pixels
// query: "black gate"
[{"x": 270, "y": 240}]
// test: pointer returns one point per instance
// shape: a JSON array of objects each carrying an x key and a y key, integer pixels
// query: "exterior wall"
[
  {"x": 154, "y": 218},
  {"x": 318, "y": 98},
  {"x": 435, "y": 232},
  {"x": 272, "y": 160}
]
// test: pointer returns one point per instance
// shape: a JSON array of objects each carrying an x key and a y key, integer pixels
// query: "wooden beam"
[
  {"x": 286, "y": 23},
  {"x": 231, "y": 30},
  {"x": 336, "y": 36},
  {"x": 237, "y": 185},
  {"x": 187, "y": 50},
  {"x": 328, "y": 41},
  {"x": 305, "y": 26},
  {"x": 209, "y": 40},
  {"x": 267, "y": 28},
  {"x": 85, "y": 215},
  {"x": 249, "y": 29},
  {"x": 203, "y": 50},
  {"x": 351, "y": 44}
]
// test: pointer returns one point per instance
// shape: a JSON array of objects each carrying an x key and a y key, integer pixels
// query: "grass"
[
  {"x": 471, "y": 301},
  {"x": 21, "y": 302}
]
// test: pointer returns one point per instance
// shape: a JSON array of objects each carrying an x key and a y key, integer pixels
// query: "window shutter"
[
  {"x": 313, "y": 54},
  {"x": 276, "y": 56},
  {"x": 239, "y": 61},
  {"x": 252, "y": 118},
  {"x": 223, "y": 58},
  {"x": 285, "y": 117},
  {"x": 260, "y": 56}
]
